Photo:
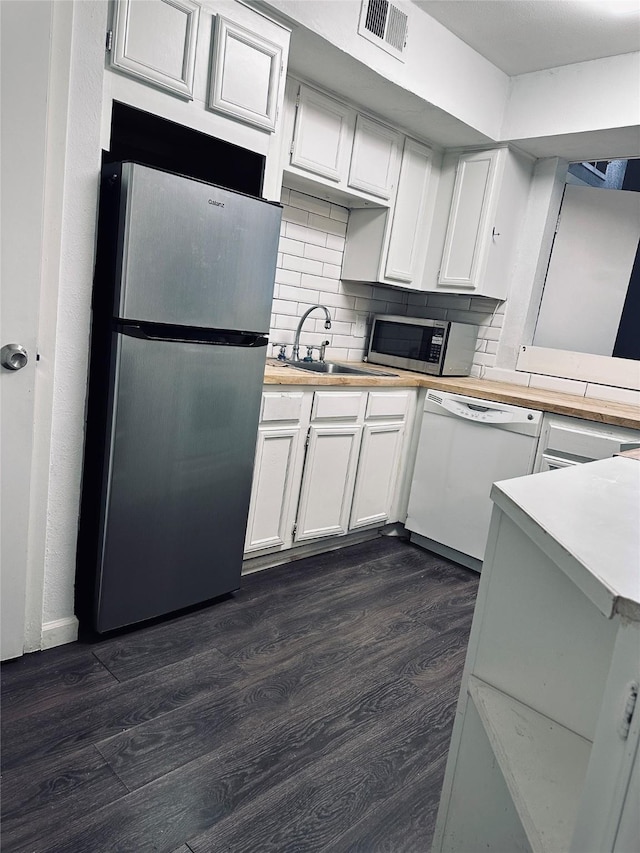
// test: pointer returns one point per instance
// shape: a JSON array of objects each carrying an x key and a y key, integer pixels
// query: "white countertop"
[{"x": 586, "y": 518}]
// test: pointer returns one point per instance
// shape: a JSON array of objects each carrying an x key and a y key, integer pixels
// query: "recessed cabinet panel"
[
  {"x": 409, "y": 230},
  {"x": 322, "y": 134},
  {"x": 327, "y": 483},
  {"x": 374, "y": 159},
  {"x": 275, "y": 455},
  {"x": 377, "y": 474},
  {"x": 156, "y": 41},
  {"x": 465, "y": 239},
  {"x": 245, "y": 75},
  {"x": 387, "y": 404},
  {"x": 281, "y": 406},
  {"x": 332, "y": 404}
]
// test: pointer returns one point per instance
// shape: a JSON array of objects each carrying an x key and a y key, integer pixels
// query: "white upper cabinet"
[
  {"x": 323, "y": 135},
  {"x": 245, "y": 74},
  {"x": 482, "y": 199},
  {"x": 374, "y": 158},
  {"x": 389, "y": 244},
  {"x": 471, "y": 218},
  {"x": 336, "y": 152},
  {"x": 156, "y": 42}
]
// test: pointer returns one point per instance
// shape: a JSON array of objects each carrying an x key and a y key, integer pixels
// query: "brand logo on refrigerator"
[{"x": 216, "y": 203}]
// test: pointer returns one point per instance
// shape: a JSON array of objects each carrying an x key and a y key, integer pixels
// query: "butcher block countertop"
[{"x": 591, "y": 409}]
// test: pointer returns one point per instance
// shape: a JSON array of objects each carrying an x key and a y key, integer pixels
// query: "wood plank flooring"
[{"x": 311, "y": 711}]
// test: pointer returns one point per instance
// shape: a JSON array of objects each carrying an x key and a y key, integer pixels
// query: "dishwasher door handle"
[{"x": 477, "y": 412}]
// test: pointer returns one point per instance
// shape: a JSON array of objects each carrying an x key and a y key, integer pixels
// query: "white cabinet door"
[
  {"x": 409, "y": 229},
  {"x": 156, "y": 41},
  {"x": 377, "y": 476},
  {"x": 469, "y": 230},
  {"x": 323, "y": 135},
  {"x": 245, "y": 75},
  {"x": 272, "y": 493},
  {"x": 375, "y": 158},
  {"x": 328, "y": 479}
]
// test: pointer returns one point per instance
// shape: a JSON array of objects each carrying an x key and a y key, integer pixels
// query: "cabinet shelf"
[{"x": 544, "y": 765}]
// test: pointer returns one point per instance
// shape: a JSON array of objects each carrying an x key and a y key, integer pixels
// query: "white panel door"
[
  {"x": 469, "y": 229},
  {"x": 25, "y": 80},
  {"x": 375, "y": 158},
  {"x": 245, "y": 75},
  {"x": 155, "y": 41},
  {"x": 377, "y": 474},
  {"x": 269, "y": 523},
  {"x": 409, "y": 231},
  {"x": 589, "y": 271},
  {"x": 327, "y": 482},
  {"x": 323, "y": 135}
]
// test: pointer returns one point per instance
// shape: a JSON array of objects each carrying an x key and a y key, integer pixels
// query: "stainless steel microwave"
[{"x": 439, "y": 347}]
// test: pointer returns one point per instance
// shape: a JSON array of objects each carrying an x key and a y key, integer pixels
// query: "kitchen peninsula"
[{"x": 544, "y": 752}]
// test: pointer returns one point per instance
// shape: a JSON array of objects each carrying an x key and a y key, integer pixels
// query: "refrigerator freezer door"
[
  {"x": 180, "y": 462},
  {"x": 194, "y": 254}
]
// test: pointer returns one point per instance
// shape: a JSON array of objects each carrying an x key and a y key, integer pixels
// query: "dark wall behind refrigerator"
[{"x": 154, "y": 141}]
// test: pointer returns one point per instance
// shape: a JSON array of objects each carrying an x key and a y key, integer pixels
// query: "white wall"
[{"x": 579, "y": 98}]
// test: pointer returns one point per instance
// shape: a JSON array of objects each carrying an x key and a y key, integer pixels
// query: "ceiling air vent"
[{"x": 384, "y": 24}]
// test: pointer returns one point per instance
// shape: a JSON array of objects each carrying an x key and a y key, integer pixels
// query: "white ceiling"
[{"x": 519, "y": 36}]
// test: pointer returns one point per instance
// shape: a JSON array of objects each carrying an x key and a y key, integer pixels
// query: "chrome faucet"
[{"x": 295, "y": 353}]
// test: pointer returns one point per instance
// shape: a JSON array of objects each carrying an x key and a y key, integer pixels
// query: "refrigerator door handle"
[{"x": 178, "y": 334}]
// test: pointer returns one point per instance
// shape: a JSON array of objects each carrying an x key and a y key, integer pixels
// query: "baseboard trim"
[
  {"x": 312, "y": 549},
  {"x": 59, "y": 631},
  {"x": 444, "y": 551}
]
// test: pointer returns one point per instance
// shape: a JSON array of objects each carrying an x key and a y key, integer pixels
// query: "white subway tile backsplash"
[
  {"x": 375, "y": 306},
  {"x": 327, "y": 225},
  {"x": 287, "y": 277},
  {"x": 299, "y": 294},
  {"x": 320, "y": 282},
  {"x": 453, "y": 301},
  {"x": 337, "y": 354},
  {"x": 614, "y": 395},
  {"x": 285, "y": 306},
  {"x": 336, "y": 243},
  {"x": 309, "y": 203},
  {"x": 339, "y": 300},
  {"x": 491, "y": 346},
  {"x": 320, "y": 253},
  {"x": 332, "y": 270},
  {"x": 293, "y": 262},
  {"x": 554, "y": 383},
  {"x": 292, "y": 215},
  {"x": 340, "y": 213},
  {"x": 290, "y": 247},
  {"x": 284, "y": 195},
  {"x": 307, "y": 235},
  {"x": 466, "y": 316},
  {"x": 500, "y": 374}
]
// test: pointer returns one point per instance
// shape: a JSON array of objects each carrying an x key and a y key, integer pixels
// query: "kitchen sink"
[{"x": 331, "y": 367}]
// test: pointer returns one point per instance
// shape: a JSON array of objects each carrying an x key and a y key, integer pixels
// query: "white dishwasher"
[{"x": 465, "y": 445}]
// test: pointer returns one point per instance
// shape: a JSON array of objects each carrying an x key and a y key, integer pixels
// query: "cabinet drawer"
[
  {"x": 382, "y": 404},
  {"x": 329, "y": 405},
  {"x": 281, "y": 407},
  {"x": 584, "y": 443}
]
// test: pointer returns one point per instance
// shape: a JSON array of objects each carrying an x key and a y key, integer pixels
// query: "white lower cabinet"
[
  {"x": 327, "y": 462},
  {"x": 327, "y": 481},
  {"x": 377, "y": 474}
]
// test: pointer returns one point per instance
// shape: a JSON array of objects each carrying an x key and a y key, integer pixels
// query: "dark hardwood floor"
[{"x": 311, "y": 711}]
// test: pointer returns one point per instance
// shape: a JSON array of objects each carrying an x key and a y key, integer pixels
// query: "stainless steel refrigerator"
[{"x": 182, "y": 302}]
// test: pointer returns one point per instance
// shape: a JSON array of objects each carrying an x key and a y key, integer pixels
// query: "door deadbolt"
[{"x": 13, "y": 356}]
